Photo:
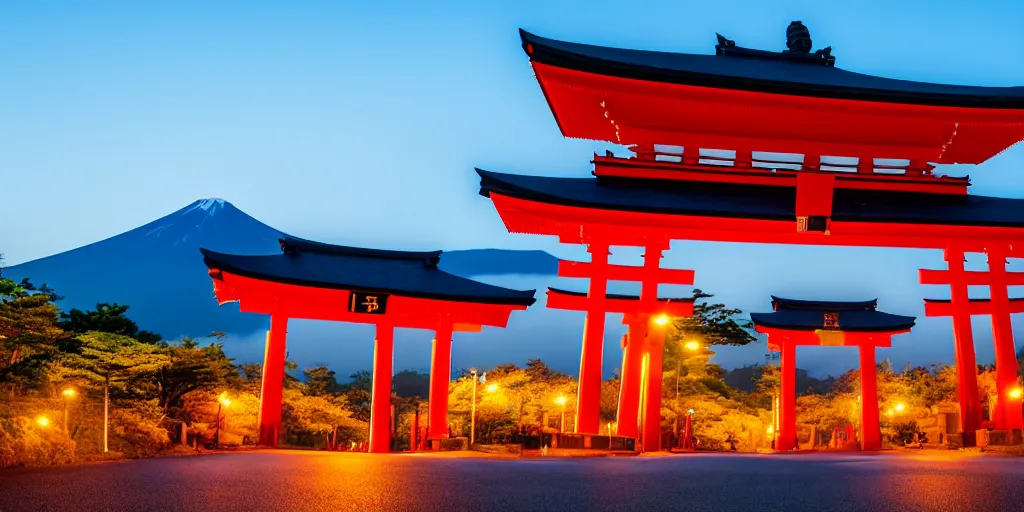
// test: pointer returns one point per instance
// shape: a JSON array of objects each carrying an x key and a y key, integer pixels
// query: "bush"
[
  {"x": 136, "y": 432},
  {"x": 22, "y": 443}
]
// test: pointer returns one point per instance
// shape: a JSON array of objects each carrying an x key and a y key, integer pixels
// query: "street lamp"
[
  {"x": 43, "y": 421},
  {"x": 472, "y": 414},
  {"x": 68, "y": 393},
  {"x": 222, "y": 401},
  {"x": 899, "y": 407},
  {"x": 561, "y": 422},
  {"x": 661, "y": 319},
  {"x": 491, "y": 388},
  {"x": 1015, "y": 393}
]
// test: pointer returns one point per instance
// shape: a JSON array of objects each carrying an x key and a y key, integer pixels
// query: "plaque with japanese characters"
[
  {"x": 831, "y": 320},
  {"x": 368, "y": 303}
]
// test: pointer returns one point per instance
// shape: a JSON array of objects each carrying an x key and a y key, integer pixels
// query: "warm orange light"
[
  {"x": 560, "y": 400},
  {"x": 889, "y": 412},
  {"x": 43, "y": 421},
  {"x": 771, "y": 430},
  {"x": 68, "y": 393},
  {"x": 900, "y": 407},
  {"x": 223, "y": 399},
  {"x": 661, "y": 319},
  {"x": 491, "y": 388},
  {"x": 692, "y": 346},
  {"x": 1015, "y": 393}
]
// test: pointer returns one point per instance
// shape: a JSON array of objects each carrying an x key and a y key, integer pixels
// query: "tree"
[
  {"x": 106, "y": 359},
  {"x": 320, "y": 381},
  {"x": 29, "y": 336},
  {"x": 712, "y": 324},
  {"x": 357, "y": 392},
  {"x": 191, "y": 368},
  {"x": 108, "y": 318}
]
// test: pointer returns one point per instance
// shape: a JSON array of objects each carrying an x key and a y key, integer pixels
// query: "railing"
[{"x": 764, "y": 161}]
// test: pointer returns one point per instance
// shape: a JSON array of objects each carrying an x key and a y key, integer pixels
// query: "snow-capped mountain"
[{"x": 157, "y": 269}]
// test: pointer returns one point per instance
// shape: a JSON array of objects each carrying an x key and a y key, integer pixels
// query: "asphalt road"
[{"x": 284, "y": 481}]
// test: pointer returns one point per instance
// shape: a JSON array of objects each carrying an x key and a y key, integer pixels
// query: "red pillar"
[
  {"x": 1008, "y": 409},
  {"x": 588, "y": 396},
  {"x": 963, "y": 339},
  {"x": 787, "y": 398},
  {"x": 652, "y": 390},
  {"x": 870, "y": 434},
  {"x": 380, "y": 398},
  {"x": 628, "y": 416},
  {"x": 271, "y": 387},
  {"x": 440, "y": 377}
]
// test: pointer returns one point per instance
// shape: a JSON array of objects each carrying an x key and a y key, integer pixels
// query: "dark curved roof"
[
  {"x": 617, "y": 296},
  {"x": 410, "y": 274},
  {"x": 761, "y": 75},
  {"x": 822, "y": 305},
  {"x": 851, "y": 316},
  {"x": 675, "y": 197},
  {"x": 291, "y": 244}
]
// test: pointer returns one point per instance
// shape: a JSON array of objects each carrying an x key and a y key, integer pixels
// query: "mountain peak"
[{"x": 210, "y": 205}]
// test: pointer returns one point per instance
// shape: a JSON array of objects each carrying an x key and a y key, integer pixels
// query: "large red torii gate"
[
  {"x": 389, "y": 289},
  {"x": 729, "y": 152}
]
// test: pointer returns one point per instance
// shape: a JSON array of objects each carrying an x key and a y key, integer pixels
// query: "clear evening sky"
[{"x": 361, "y": 122}]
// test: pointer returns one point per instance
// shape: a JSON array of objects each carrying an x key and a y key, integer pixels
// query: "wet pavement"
[{"x": 291, "y": 480}]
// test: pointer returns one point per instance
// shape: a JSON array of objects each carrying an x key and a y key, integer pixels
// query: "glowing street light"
[
  {"x": 890, "y": 413},
  {"x": 899, "y": 407},
  {"x": 661, "y": 319},
  {"x": 222, "y": 401},
  {"x": 491, "y": 388},
  {"x": 561, "y": 401},
  {"x": 68, "y": 393},
  {"x": 770, "y": 430},
  {"x": 692, "y": 346},
  {"x": 43, "y": 421},
  {"x": 1015, "y": 393}
]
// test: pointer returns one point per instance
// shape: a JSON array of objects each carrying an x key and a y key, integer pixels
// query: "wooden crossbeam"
[
  {"x": 941, "y": 307},
  {"x": 970, "y": 277},
  {"x": 628, "y": 306},
  {"x": 625, "y": 273}
]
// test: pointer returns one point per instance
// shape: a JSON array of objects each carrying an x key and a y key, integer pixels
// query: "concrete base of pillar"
[
  {"x": 1013, "y": 437},
  {"x": 961, "y": 440}
]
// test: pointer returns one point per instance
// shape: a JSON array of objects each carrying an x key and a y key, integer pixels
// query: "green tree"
[
  {"x": 320, "y": 381},
  {"x": 108, "y": 318},
  {"x": 191, "y": 368},
  {"x": 111, "y": 359}
]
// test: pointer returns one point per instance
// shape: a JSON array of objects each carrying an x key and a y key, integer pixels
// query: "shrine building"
[{"x": 389, "y": 289}]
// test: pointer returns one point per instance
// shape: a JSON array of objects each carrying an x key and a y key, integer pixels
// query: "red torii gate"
[
  {"x": 647, "y": 318},
  {"x": 829, "y": 323},
  {"x": 389, "y": 289},
  {"x": 728, "y": 152},
  {"x": 1000, "y": 306}
]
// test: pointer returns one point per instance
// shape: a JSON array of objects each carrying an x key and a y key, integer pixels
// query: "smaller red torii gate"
[
  {"x": 639, "y": 409},
  {"x": 829, "y": 323},
  {"x": 389, "y": 289}
]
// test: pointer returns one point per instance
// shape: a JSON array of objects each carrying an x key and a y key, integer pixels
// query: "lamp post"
[
  {"x": 222, "y": 401},
  {"x": 68, "y": 393},
  {"x": 561, "y": 422},
  {"x": 691, "y": 346},
  {"x": 472, "y": 414}
]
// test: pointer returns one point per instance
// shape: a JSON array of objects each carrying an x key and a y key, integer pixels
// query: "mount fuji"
[{"x": 157, "y": 269}]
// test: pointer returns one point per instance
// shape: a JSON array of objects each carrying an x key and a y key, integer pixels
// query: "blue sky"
[{"x": 361, "y": 123}]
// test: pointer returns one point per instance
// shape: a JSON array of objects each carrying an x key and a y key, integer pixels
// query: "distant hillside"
[
  {"x": 745, "y": 379},
  {"x": 158, "y": 271}
]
